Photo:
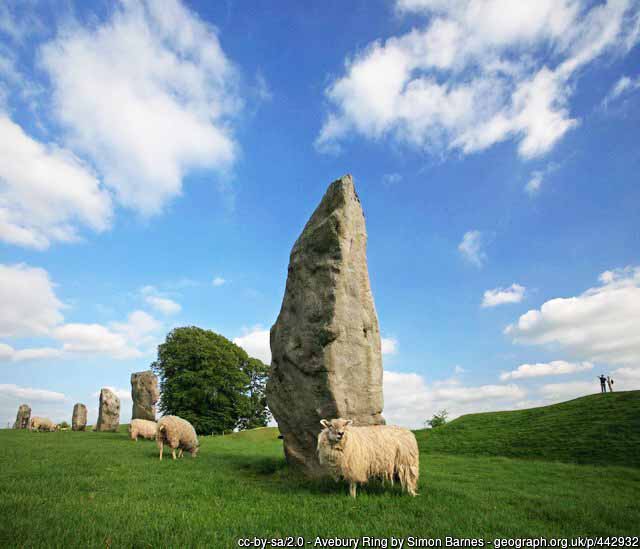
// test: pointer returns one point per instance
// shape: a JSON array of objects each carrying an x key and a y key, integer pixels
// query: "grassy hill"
[
  {"x": 68, "y": 489},
  {"x": 602, "y": 429}
]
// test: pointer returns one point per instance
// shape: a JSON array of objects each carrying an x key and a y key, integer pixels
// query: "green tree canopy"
[
  {"x": 211, "y": 382},
  {"x": 438, "y": 419}
]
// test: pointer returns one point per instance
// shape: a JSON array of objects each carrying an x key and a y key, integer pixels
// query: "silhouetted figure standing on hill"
[
  {"x": 610, "y": 384},
  {"x": 603, "y": 383}
]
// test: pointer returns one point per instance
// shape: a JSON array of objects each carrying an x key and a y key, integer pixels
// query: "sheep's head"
[
  {"x": 336, "y": 428},
  {"x": 194, "y": 450}
]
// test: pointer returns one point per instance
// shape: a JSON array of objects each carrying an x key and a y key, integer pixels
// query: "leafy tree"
[
  {"x": 256, "y": 413},
  {"x": 438, "y": 419},
  {"x": 209, "y": 381}
]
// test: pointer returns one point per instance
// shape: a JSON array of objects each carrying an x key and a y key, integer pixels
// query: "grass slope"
[
  {"x": 602, "y": 429},
  {"x": 90, "y": 489}
]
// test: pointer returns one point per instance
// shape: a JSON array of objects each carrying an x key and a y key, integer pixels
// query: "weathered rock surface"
[
  {"x": 108, "y": 411},
  {"x": 79, "y": 417},
  {"x": 23, "y": 416},
  {"x": 144, "y": 393},
  {"x": 325, "y": 344}
]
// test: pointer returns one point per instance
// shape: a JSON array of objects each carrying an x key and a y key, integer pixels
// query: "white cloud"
[
  {"x": 477, "y": 73},
  {"x": 218, "y": 281},
  {"x": 569, "y": 390},
  {"x": 410, "y": 400},
  {"x": 7, "y": 352},
  {"x": 148, "y": 95},
  {"x": 554, "y": 368},
  {"x": 391, "y": 178},
  {"x": 158, "y": 301},
  {"x": 626, "y": 379},
  {"x": 30, "y": 306},
  {"x": 89, "y": 339},
  {"x": 471, "y": 248},
  {"x": 458, "y": 370},
  {"x": 30, "y": 394},
  {"x": 46, "y": 192},
  {"x": 623, "y": 86},
  {"x": 533, "y": 185},
  {"x": 600, "y": 325},
  {"x": 389, "y": 345},
  {"x": 163, "y": 304},
  {"x": 32, "y": 309},
  {"x": 500, "y": 296},
  {"x": 256, "y": 343},
  {"x": 121, "y": 340}
]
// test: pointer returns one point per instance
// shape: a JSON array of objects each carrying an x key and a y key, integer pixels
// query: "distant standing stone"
[
  {"x": 108, "y": 411},
  {"x": 79, "y": 418},
  {"x": 325, "y": 344},
  {"x": 23, "y": 416},
  {"x": 144, "y": 393}
]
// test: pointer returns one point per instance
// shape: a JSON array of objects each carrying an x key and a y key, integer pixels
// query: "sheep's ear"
[
  {"x": 349, "y": 422},
  {"x": 324, "y": 423}
]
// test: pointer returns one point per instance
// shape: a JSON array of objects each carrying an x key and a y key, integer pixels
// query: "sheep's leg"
[
  {"x": 180, "y": 453},
  {"x": 173, "y": 453},
  {"x": 160, "y": 445},
  {"x": 352, "y": 489}
]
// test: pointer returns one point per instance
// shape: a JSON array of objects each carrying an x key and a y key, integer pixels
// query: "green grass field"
[{"x": 90, "y": 489}]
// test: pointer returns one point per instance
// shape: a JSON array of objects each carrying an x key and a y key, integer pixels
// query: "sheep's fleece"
[
  {"x": 357, "y": 454},
  {"x": 142, "y": 428},
  {"x": 178, "y": 434},
  {"x": 42, "y": 424}
]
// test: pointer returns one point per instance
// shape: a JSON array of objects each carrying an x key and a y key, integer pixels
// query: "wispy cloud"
[
  {"x": 476, "y": 73},
  {"x": 218, "y": 281},
  {"x": 255, "y": 341},
  {"x": 389, "y": 345},
  {"x": 471, "y": 248},
  {"x": 541, "y": 369},
  {"x": 501, "y": 296},
  {"x": 599, "y": 325}
]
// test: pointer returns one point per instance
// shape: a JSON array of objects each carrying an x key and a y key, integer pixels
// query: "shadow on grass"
[{"x": 274, "y": 475}]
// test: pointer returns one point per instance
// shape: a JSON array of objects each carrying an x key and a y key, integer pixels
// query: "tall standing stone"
[
  {"x": 108, "y": 411},
  {"x": 325, "y": 345},
  {"x": 22, "y": 417},
  {"x": 144, "y": 393},
  {"x": 79, "y": 417}
]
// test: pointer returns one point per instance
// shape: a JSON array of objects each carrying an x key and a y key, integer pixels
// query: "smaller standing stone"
[
  {"x": 23, "y": 416},
  {"x": 144, "y": 393},
  {"x": 79, "y": 418},
  {"x": 108, "y": 411}
]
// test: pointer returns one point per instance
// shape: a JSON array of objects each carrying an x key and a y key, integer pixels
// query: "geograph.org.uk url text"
[{"x": 411, "y": 541}]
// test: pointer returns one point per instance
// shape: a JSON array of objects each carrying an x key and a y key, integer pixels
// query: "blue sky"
[{"x": 159, "y": 159}]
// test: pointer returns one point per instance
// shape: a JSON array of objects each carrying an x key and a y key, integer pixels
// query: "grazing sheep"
[
  {"x": 142, "y": 428},
  {"x": 178, "y": 434},
  {"x": 42, "y": 424},
  {"x": 357, "y": 454}
]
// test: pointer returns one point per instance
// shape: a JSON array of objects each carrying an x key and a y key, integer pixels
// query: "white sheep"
[
  {"x": 142, "y": 428},
  {"x": 178, "y": 434},
  {"x": 42, "y": 424},
  {"x": 357, "y": 454}
]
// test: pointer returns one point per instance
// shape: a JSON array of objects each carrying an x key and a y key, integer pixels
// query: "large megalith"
[
  {"x": 144, "y": 393},
  {"x": 22, "y": 417},
  {"x": 325, "y": 345},
  {"x": 79, "y": 417},
  {"x": 108, "y": 411}
]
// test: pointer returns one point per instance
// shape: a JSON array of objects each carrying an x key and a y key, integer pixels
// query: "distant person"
[
  {"x": 603, "y": 383},
  {"x": 610, "y": 384}
]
